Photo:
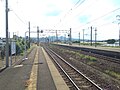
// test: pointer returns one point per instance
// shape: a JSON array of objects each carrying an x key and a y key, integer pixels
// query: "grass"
[
  {"x": 112, "y": 73},
  {"x": 90, "y": 63},
  {"x": 90, "y": 58},
  {"x": 82, "y": 56}
]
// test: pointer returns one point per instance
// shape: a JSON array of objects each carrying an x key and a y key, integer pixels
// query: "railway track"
[
  {"x": 77, "y": 80},
  {"x": 100, "y": 56},
  {"x": 115, "y": 60},
  {"x": 113, "y": 54}
]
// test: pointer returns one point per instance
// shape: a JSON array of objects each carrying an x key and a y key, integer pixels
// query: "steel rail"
[
  {"x": 98, "y": 87},
  {"x": 63, "y": 71}
]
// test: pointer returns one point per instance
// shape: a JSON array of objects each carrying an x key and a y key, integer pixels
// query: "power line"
[
  {"x": 100, "y": 17},
  {"x": 104, "y": 15},
  {"x": 19, "y": 18},
  {"x": 84, "y": 9},
  {"x": 79, "y": 3},
  {"x": 71, "y": 9}
]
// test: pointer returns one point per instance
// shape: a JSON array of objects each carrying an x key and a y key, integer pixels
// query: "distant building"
[{"x": 2, "y": 43}]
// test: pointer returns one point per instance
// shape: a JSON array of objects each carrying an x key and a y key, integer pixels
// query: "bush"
[{"x": 90, "y": 58}]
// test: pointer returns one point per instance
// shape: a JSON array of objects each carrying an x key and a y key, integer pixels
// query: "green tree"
[{"x": 111, "y": 41}]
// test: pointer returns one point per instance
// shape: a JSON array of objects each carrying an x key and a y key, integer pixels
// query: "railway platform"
[
  {"x": 93, "y": 47},
  {"x": 35, "y": 73}
]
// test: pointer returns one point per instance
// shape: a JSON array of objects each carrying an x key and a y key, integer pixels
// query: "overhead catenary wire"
[
  {"x": 82, "y": 11},
  {"x": 98, "y": 18},
  {"x": 19, "y": 18},
  {"x": 77, "y": 4}
]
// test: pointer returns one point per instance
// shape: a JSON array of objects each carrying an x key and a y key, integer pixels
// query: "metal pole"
[
  {"x": 91, "y": 36},
  {"x": 95, "y": 37},
  {"x": 25, "y": 44},
  {"x": 83, "y": 35},
  {"x": 56, "y": 37},
  {"x": 38, "y": 35},
  {"x": 29, "y": 34},
  {"x": 79, "y": 38},
  {"x": 119, "y": 33},
  {"x": 15, "y": 46},
  {"x": 65, "y": 38},
  {"x": 118, "y": 19},
  {"x": 25, "y": 54},
  {"x": 7, "y": 44},
  {"x": 119, "y": 36},
  {"x": 70, "y": 37},
  {"x": 10, "y": 50}
]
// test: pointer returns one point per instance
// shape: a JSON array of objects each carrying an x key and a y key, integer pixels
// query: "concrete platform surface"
[
  {"x": 36, "y": 73},
  {"x": 93, "y": 47}
]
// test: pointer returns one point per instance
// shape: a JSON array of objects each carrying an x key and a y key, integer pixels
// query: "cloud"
[{"x": 59, "y": 14}]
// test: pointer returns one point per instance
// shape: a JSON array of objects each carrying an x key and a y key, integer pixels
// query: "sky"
[{"x": 62, "y": 15}]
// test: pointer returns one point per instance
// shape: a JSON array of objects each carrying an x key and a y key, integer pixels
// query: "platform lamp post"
[{"x": 118, "y": 18}]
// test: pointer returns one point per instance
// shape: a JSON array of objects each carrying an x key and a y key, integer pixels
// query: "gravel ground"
[{"x": 105, "y": 73}]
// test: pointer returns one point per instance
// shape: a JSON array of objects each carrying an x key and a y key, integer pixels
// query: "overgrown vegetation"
[
  {"x": 112, "y": 73},
  {"x": 111, "y": 41},
  {"x": 90, "y": 58},
  {"x": 20, "y": 45},
  {"x": 81, "y": 56}
]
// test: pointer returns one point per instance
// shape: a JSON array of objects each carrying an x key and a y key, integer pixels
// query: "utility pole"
[
  {"x": 65, "y": 38},
  {"x": 79, "y": 38},
  {"x": 56, "y": 37},
  {"x": 83, "y": 35},
  {"x": 7, "y": 44},
  {"x": 119, "y": 33},
  {"x": 38, "y": 35},
  {"x": 91, "y": 36},
  {"x": 29, "y": 33},
  {"x": 95, "y": 37},
  {"x": 70, "y": 37},
  {"x": 118, "y": 19}
]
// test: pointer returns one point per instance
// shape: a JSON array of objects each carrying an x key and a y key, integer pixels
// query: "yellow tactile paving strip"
[
  {"x": 58, "y": 80},
  {"x": 33, "y": 77}
]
